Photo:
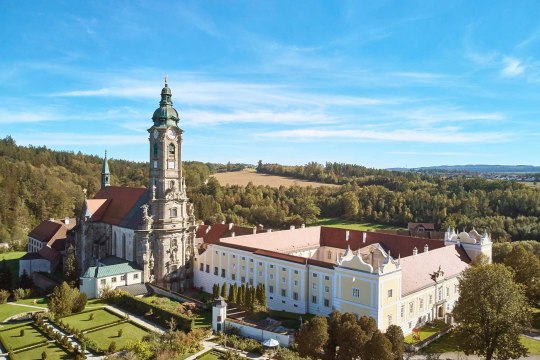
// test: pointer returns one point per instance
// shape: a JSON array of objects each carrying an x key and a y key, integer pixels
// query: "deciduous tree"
[
  {"x": 312, "y": 337},
  {"x": 492, "y": 312}
]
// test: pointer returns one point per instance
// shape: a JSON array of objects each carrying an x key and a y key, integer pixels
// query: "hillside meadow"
[{"x": 243, "y": 177}]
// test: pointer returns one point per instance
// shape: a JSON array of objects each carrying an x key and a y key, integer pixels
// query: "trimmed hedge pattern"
[{"x": 154, "y": 313}]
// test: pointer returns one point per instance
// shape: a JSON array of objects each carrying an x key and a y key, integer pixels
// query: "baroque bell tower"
[{"x": 167, "y": 234}]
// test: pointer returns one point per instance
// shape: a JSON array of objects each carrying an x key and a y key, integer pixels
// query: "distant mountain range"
[{"x": 476, "y": 168}]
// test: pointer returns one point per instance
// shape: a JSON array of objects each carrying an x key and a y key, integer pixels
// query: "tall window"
[
  {"x": 355, "y": 292},
  {"x": 155, "y": 149},
  {"x": 174, "y": 212},
  {"x": 124, "y": 246},
  {"x": 171, "y": 149}
]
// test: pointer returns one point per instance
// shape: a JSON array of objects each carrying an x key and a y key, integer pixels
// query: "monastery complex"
[{"x": 128, "y": 237}]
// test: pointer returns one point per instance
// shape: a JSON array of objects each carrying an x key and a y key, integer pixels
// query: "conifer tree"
[
  {"x": 5, "y": 276},
  {"x": 224, "y": 291},
  {"x": 215, "y": 291},
  {"x": 242, "y": 295},
  {"x": 71, "y": 268},
  {"x": 218, "y": 290},
  {"x": 230, "y": 296},
  {"x": 235, "y": 294},
  {"x": 263, "y": 296}
]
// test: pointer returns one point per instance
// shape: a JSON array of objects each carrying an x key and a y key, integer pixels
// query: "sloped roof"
[
  {"x": 427, "y": 226},
  {"x": 134, "y": 289},
  {"x": 49, "y": 230},
  {"x": 110, "y": 270},
  {"x": 48, "y": 253},
  {"x": 397, "y": 245},
  {"x": 417, "y": 270},
  {"x": 211, "y": 234},
  {"x": 285, "y": 241},
  {"x": 118, "y": 205}
]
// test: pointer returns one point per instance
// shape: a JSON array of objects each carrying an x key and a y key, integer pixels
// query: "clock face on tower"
[
  {"x": 156, "y": 134},
  {"x": 171, "y": 134}
]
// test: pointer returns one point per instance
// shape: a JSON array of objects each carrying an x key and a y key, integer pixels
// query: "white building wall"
[{"x": 118, "y": 236}]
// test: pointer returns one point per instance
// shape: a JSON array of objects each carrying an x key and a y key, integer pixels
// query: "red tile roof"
[
  {"x": 398, "y": 245},
  {"x": 211, "y": 234},
  {"x": 121, "y": 202},
  {"x": 417, "y": 269},
  {"x": 48, "y": 253},
  {"x": 49, "y": 230}
]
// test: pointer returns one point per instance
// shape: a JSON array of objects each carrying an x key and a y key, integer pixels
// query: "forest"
[{"x": 37, "y": 183}]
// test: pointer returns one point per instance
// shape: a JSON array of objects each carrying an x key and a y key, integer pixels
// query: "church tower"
[
  {"x": 105, "y": 173},
  {"x": 168, "y": 230}
]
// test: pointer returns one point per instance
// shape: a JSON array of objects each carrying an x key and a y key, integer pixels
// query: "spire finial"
[
  {"x": 166, "y": 80},
  {"x": 105, "y": 153}
]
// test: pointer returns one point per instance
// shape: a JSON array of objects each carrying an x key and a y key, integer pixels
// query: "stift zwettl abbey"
[{"x": 128, "y": 237}]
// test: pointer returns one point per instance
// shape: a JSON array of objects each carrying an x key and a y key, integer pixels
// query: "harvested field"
[{"x": 243, "y": 177}]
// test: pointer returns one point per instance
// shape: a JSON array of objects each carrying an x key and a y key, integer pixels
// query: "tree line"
[{"x": 37, "y": 183}]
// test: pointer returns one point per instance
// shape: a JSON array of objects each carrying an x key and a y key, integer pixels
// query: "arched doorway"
[{"x": 440, "y": 312}]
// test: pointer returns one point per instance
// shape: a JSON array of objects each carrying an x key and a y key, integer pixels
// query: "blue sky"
[{"x": 379, "y": 83}]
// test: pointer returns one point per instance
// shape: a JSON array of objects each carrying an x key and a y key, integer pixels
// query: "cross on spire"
[{"x": 166, "y": 80}]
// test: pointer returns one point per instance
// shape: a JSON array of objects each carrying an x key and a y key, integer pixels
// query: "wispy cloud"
[
  {"x": 62, "y": 138},
  {"x": 436, "y": 153},
  {"x": 444, "y": 135},
  {"x": 512, "y": 67}
]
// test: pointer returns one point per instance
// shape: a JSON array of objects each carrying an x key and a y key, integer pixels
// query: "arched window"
[
  {"x": 124, "y": 246},
  {"x": 155, "y": 149},
  {"x": 171, "y": 184},
  {"x": 171, "y": 149}
]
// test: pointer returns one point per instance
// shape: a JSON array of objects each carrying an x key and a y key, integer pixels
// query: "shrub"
[
  {"x": 21, "y": 333},
  {"x": 140, "y": 307},
  {"x": 4, "y": 296},
  {"x": 120, "y": 332},
  {"x": 18, "y": 294},
  {"x": 112, "y": 347},
  {"x": 43, "y": 355}
]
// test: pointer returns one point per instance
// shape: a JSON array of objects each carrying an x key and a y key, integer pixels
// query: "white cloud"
[
  {"x": 445, "y": 135},
  {"x": 512, "y": 67},
  {"x": 60, "y": 139}
]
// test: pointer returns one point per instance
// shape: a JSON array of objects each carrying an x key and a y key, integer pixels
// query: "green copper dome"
[{"x": 165, "y": 115}]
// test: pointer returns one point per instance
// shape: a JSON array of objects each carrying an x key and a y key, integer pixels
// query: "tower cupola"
[
  {"x": 105, "y": 173},
  {"x": 165, "y": 115}
]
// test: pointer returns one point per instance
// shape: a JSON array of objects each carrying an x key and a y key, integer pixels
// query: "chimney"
[
  {"x": 347, "y": 234},
  {"x": 223, "y": 222},
  {"x": 254, "y": 229},
  {"x": 51, "y": 219},
  {"x": 268, "y": 230},
  {"x": 303, "y": 226},
  {"x": 292, "y": 227},
  {"x": 233, "y": 234},
  {"x": 231, "y": 226},
  {"x": 415, "y": 251},
  {"x": 66, "y": 220},
  {"x": 364, "y": 237},
  {"x": 426, "y": 248}
]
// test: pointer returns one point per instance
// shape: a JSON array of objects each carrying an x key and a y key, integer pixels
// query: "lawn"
[
  {"x": 531, "y": 344},
  {"x": 212, "y": 355},
  {"x": 12, "y": 337},
  {"x": 103, "y": 337},
  {"x": 40, "y": 302},
  {"x": 450, "y": 343},
  {"x": 426, "y": 331},
  {"x": 203, "y": 318},
  {"x": 83, "y": 322},
  {"x": 53, "y": 351},
  {"x": 12, "y": 259},
  {"x": 7, "y": 310},
  {"x": 351, "y": 225}
]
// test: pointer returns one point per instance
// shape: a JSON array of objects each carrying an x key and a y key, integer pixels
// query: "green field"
[
  {"x": 12, "y": 259},
  {"x": 203, "y": 318},
  {"x": 103, "y": 337},
  {"x": 351, "y": 225},
  {"x": 83, "y": 322},
  {"x": 13, "y": 339},
  {"x": 54, "y": 352}
]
